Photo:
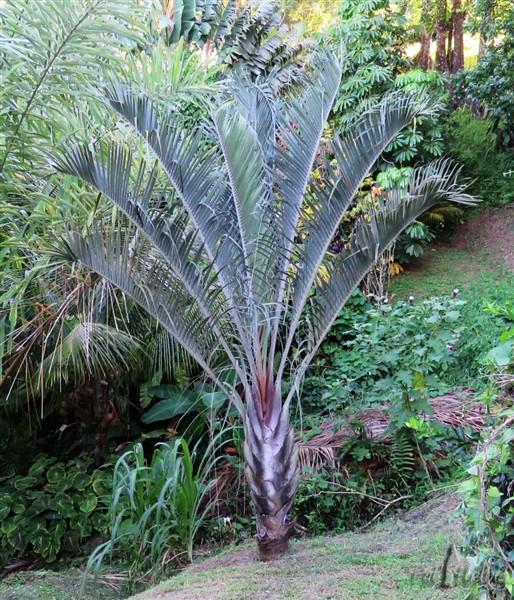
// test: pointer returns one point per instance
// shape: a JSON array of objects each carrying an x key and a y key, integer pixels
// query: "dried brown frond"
[{"x": 453, "y": 409}]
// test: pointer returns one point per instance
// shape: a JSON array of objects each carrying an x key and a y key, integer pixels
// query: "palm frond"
[
  {"x": 355, "y": 155},
  {"x": 371, "y": 237},
  {"x": 245, "y": 163},
  {"x": 197, "y": 173},
  {"x": 168, "y": 357},
  {"x": 150, "y": 283},
  {"x": 90, "y": 351}
]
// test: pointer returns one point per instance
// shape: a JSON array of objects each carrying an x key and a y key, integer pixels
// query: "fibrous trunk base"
[
  {"x": 272, "y": 474},
  {"x": 273, "y": 542}
]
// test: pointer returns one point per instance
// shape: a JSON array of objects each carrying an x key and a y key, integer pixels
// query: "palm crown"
[{"x": 228, "y": 260}]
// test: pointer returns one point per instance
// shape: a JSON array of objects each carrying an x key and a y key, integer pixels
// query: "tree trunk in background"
[
  {"x": 449, "y": 42},
  {"x": 486, "y": 17},
  {"x": 423, "y": 60},
  {"x": 272, "y": 473},
  {"x": 441, "y": 33},
  {"x": 458, "y": 17},
  {"x": 482, "y": 45}
]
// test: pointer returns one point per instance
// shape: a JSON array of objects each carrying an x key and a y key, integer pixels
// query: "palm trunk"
[{"x": 272, "y": 473}]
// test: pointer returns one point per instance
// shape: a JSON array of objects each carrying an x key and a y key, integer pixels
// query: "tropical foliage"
[
  {"x": 191, "y": 193},
  {"x": 254, "y": 36},
  {"x": 53, "y": 509},
  {"x": 156, "y": 509},
  {"x": 488, "y": 513}
]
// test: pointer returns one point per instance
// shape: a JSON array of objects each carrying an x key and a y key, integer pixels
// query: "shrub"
[
  {"x": 488, "y": 492},
  {"x": 489, "y": 513},
  {"x": 413, "y": 242},
  {"x": 386, "y": 353},
  {"x": 423, "y": 139},
  {"x": 473, "y": 142},
  {"x": 374, "y": 37},
  {"x": 52, "y": 509}
]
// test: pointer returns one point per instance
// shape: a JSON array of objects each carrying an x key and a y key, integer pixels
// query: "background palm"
[{"x": 229, "y": 259}]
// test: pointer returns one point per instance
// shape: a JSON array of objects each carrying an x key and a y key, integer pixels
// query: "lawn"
[{"x": 402, "y": 558}]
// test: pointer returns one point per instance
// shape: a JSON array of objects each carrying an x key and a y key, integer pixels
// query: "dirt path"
[{"x": 400, "y": 559}]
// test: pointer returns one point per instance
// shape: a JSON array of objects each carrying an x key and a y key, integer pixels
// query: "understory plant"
[
  {"x": 413, "y": 242},
  {"x": 218, "y": 241},
  {"x": 157, "y": 507},
  {"x": 382, "y": 352},
  {"x": 474, "y": 142},
  {"x": 488, "y": 492},
  {"x": 52, "y": 510},
  {"x": 489, "y": 514}
]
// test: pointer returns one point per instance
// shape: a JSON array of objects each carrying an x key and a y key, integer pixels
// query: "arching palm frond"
[
  {"x": 355, "y": 156},
  {"x": 231, "y": 270},
  {"x": 90, "y": 351},
  {"x": 371, "y": 237}
]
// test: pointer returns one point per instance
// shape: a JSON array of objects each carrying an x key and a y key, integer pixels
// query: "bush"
[
  {"x": 489, "y": 513},
  {"x": 473, "y": 143},
  {"x": 374, "y": 37},
  {"x": 488, "y": 493},
  {"x": 52, "y": 510},
  {"x": 375, "y": 34},
  {"x": 325, "y": 502},
  {"x": 386, "y": 353},
  {"x": 412, "y": 242}
]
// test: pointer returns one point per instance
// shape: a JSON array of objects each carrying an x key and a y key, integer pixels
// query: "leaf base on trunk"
[{"x": 273, "y": 536}]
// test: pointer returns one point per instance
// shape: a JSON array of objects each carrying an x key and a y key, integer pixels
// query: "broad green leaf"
[
  {"x": 56, "y": 473},
  {"x": 24, "y": 483},
  {"x": 81, "y": 481},
  {"x": 213, "y": 400},
  {"x": 501, "y": 355},
  {"x": 88, "y": 504},
  {"x": 62, "y": 504},
  {"x": 180, "y": 404}
]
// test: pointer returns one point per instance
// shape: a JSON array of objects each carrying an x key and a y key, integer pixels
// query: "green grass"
[
  {"x": 52, "y": 585},
  {"x": 400, "y": 559},
  {"x": 443, "y": 269}
]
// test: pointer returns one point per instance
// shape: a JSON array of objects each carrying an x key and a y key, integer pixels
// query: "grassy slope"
[
  {"x": 446, "y": 268},
  {"x": 479, "y": 259},
  {"x": 399, "y": 559},
  {"x": 52, "y": 585}
]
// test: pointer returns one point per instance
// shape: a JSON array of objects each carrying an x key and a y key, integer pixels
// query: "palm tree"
[{"x": 236, "y": 259}]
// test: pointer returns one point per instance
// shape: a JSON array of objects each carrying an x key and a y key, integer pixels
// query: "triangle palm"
[{"x": 232, "y": 269}]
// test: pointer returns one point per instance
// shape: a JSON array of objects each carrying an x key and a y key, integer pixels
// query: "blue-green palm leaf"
[{"x": 227, "y": 241}]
